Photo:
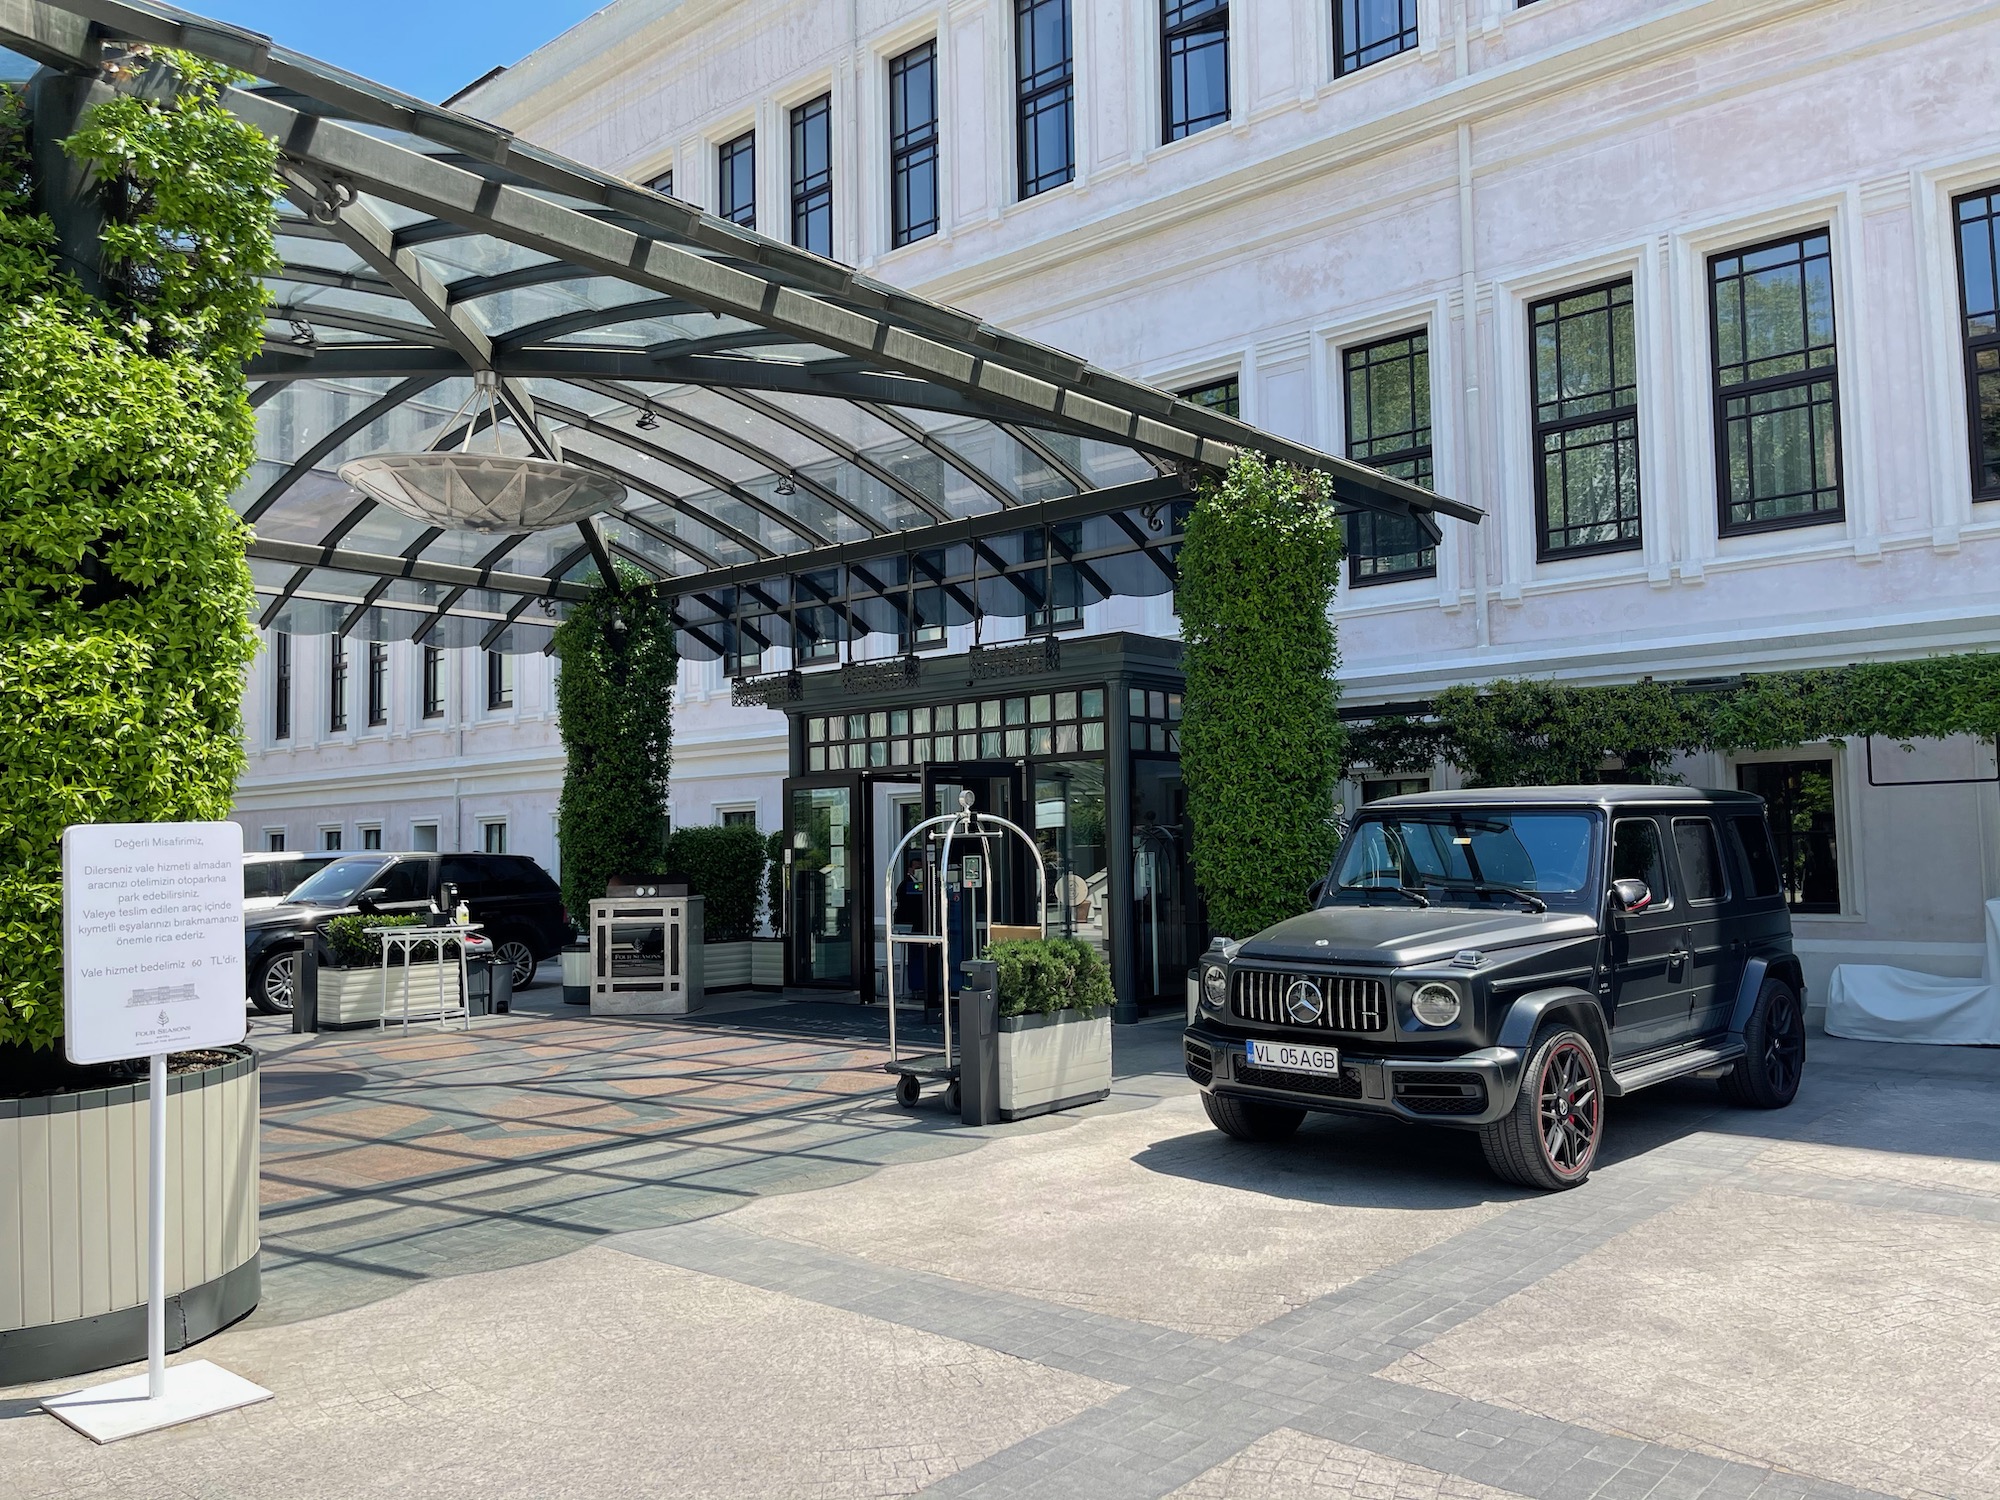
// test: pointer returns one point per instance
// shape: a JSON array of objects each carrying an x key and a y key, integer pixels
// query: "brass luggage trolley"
[{"x": 914, "y": 1071}]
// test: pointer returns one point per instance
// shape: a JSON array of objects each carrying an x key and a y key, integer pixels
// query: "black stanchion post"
[
  {"x": 979, "y": 1044},
  {"x": 305, "y": 988}
]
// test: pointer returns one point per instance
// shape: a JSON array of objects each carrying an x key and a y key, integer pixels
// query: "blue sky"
[{"x": 430, "y": 48}]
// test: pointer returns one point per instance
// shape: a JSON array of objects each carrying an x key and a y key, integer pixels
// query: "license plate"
[{"x": 1291, "y": 1057}]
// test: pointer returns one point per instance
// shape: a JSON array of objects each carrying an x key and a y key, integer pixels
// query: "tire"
[
  {"x": 1549, "y": 1139},
  {"x": 1251, "y": 1119},
  {"x": 951, "y": 1100},
  {"x": 518, "y": 956},
  {"x": 908, "y": 1090},
  {"x": 276, "y": 982},
  {"x": 1774, "y": 1058}
]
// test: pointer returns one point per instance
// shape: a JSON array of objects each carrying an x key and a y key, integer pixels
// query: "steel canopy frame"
[{"x": 448, "y": 248}]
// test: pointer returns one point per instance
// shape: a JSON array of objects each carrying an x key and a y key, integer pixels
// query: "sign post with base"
[{"x": 152, "y": 964}]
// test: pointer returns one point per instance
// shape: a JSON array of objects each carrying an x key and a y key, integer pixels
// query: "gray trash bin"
[{"x": 979, "y": 1044}]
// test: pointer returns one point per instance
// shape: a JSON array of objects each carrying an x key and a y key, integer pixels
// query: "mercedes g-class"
[{"x": 1506, "y": 960}]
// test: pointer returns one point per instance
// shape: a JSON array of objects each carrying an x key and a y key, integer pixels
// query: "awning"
[{"x": 803, "y": 448}]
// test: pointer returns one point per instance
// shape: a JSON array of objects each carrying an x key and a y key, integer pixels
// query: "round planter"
[{"x": 73, "y": 1219}]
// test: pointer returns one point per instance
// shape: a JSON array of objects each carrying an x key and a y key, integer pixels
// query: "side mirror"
[
  {"x": 367, "y": 899},
  {"x": 1630, "y": 895}
]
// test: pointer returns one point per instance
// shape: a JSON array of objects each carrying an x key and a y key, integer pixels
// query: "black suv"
[
  {"x": 510, "y": 895},
  {"x": 1503, "y": 961}
]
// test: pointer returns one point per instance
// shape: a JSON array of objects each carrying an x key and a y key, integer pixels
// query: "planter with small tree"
[{"x": 1054, "y": 1036}]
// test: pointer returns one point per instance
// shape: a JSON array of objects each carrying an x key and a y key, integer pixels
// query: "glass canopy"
[{"x": 807, "y": 454}]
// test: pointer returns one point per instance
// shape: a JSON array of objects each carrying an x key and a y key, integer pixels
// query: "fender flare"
[
  {"x": 1580, "y": 1007},
  {"x": 1783, "y": 966}
]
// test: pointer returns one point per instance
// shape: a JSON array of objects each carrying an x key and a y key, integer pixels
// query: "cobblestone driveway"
[{"x": 713, "y": 1260}]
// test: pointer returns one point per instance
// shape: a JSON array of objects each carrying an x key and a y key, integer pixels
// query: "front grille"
[
  {"x": 1200, "y": 1063},
  {"x": 1349, "y": 1003},
  {"x": 1346, "y": 1086},
  {"x": 1441, "y": 1093}
]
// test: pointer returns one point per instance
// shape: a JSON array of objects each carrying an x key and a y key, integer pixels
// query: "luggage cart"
[{"x": 914, "y": 1071}]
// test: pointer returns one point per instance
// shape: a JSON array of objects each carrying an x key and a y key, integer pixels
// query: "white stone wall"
[{"x": 1516, "y": 152}]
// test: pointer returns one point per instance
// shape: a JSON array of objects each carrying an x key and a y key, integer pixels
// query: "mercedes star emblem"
[{"x": 1303, "y": 1001}]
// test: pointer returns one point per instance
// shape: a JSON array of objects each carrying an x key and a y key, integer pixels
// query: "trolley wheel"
[
  {"x": 951, "y": 1097},
  {"x": 908, "y": 1088}
]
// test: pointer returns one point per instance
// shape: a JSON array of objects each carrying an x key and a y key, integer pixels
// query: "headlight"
[
  {"x": 1214, "y": 986},
  {"x": 1435, "y": 1004}
]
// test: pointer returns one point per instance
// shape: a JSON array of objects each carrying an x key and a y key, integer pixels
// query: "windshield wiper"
[
  {"x": 1408, "y": 893},
  {"x": 1487, "y": 887}
]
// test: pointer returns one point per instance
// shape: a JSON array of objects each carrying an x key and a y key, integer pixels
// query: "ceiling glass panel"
[
  {"x": 321, "y": 254},
  {"x": 476, "y": 255},
  {"x": 502, "y": 312}
]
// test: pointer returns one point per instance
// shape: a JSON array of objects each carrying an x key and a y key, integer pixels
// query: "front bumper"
[{"x": 1469, "y": 1088}]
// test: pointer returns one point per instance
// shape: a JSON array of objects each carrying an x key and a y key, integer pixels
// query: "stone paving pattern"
[{"x": 711, "y": 1258}]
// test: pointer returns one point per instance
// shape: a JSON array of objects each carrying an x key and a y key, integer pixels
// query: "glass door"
[
  {"x": 996, "y": 789},
  {"x": 824, "y": 836}
]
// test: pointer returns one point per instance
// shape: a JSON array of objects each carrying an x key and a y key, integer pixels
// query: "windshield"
[
  {"x": 338, "y": 884},
  {"x": 1467, "y": 856}
]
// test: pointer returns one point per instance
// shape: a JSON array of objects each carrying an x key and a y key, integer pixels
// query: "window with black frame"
[
  {"x": 1389, "y": 428},
  {"x": 924, "y": 619},
  {"x": 663, "y": 184},
  {"x": 913, "y": 145},
  {"x": 1586, "y": 422},
  {"x": 378, "y": 684},
  {"x": 742, "y": 649},
  {"x": 1777, "y": 401},
  {"x": 1978, "y": 216},
  {"x": 499, "y": 680},
  {"x": 281, "y": 686},
  {"x": 812, "y": 176},
  {"x": 1371, "y": 31},
  {"x": 1045, "y": 87},
  {"x": 1194, "y": 56},
  {"x": 1799, "y": 804},
  {"x": 1218, "y": 395},
  {"x": 433, "y": 682},
  {"x": 736, "y": 180},
  {"x": 816, "y": 622},
  {"x": 1061, "y": 606},
  {"x": 336, "y": 684}
]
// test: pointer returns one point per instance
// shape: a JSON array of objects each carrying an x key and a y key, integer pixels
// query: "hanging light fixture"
[{"x": 493, "y": 493}]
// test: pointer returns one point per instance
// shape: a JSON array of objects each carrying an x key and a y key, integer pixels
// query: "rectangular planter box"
[
  {"x": 1052, "y": 1062},
  {"x": 753, "y": 964},
  {"x": 353, "y": 997}
]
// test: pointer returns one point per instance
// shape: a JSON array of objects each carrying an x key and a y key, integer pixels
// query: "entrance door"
[
  {"x": 996, "y": 789},
  {"x": 1163, "y": 914},
  {"x": 828, "y": 903}
]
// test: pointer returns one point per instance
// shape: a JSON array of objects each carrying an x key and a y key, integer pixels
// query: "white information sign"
[{"x": 152, "y": 938}]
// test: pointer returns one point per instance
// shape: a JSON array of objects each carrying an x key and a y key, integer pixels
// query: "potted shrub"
[
  {"x": 351, "y": 981},
  {"x": 725, "y": 866},
  {"x": 1055, "y": 1025}
]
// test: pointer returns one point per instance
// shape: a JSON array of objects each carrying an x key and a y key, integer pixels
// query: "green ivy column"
[
  {"x": 615, "y": 701},
  {"x": 1261, "y": 742},
  {"x": 125, "y": 425}
]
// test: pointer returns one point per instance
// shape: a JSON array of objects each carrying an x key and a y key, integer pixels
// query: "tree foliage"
[
  {"x": 124, "y": 594},
  {"x": 1542, "y": 733},
  {"x": 615, "y": 702},
  {"x": 1261, "y": 742}
]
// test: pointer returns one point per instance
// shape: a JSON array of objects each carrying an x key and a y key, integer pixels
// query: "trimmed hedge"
[
  {"x": 1045, "y": 975},
  {"x": 1261, "y": 744},
  {"x": 1538, "y": 733},
  {"x": 726, "y": 867},
  {"x": 348, "y": 939},
  {"x": 124, "y": 595}
]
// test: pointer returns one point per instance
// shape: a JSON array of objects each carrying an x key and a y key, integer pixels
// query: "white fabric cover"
[{"x": 1874, "y": 1003}]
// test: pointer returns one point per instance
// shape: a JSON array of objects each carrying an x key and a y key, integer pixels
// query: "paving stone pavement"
[{"x": 710, "y": 1258}]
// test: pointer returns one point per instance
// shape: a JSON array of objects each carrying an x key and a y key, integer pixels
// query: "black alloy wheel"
[
  {"x": 1549, "y": 1139},
  {"x": 276, "y": 982},
  {"x": 519, "y": 957},
  {"x": 1768, "y": 1074}
]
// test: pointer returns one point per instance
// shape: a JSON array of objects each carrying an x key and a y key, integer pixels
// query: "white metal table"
[{"x": 406, "y": 938}]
